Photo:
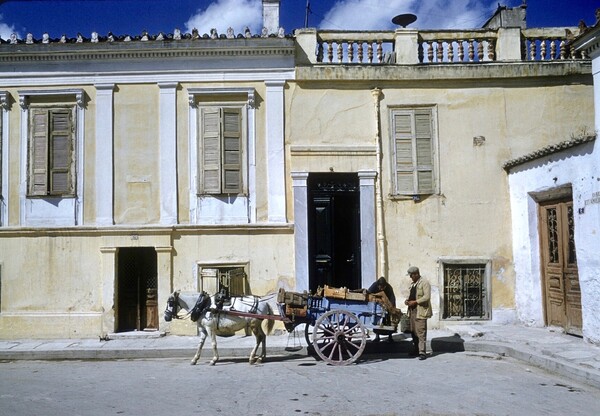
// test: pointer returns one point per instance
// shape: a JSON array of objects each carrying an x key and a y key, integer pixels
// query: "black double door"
[{"x": 334, "y": 230}]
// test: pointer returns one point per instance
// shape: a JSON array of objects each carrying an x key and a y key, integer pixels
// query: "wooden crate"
[
  {"x": 292, "y": 298},
  {"x": 362, "y": 296},
  {"x": 335, "y": 292},
  {"x": 292, "y": 311}
]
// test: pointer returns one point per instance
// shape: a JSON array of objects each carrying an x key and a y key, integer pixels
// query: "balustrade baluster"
[
  {"x": 479, "y": 50},
  {"x": 350, "y": 51},
  {"x": 340, "y": 51},
  {"x": 360, "y": 52},
  {"x": 379, "y": 51},
  {"x": 563, "y": 49},
  {"x": 532, "y": 49},
  {"x": 573, "y": 54},
  {"x": 542, "y": 49},
  {"x": 420, "y": 52},
  {"x": 471, "y": 50},
  {"x": 491, "y": 49},
  {"x": 330, "y": 52},
  {"x": 370, "y": 52},
  {"x": 440, "y": 51},
  {"x": 552, "y": 49},
  {"x": 430, "y": 51},
  {"x": 450, "y": 51},
  {"x": 320, "y": 52},
  {"x": 461, "y": 51}
]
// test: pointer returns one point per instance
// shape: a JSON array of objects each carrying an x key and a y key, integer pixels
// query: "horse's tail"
[{"x": 270, "y": 322}]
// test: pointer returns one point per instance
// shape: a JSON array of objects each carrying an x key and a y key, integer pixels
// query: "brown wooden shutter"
[
  {"x": 210, "y": 158},
  {"x": 38, "y": 162},
  {"x": 237, "y": 282},
  {"x": 61, "y": 151},
  {"x": 232, "y": 150},
  {"x": 424, "y": 152},
  {"x": 403, "y": 136}
]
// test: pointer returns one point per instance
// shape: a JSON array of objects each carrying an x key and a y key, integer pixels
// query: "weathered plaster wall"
[
  {"x": 82, "y": 303},
  {"x": 136, "y": 154},
  {"x": 470, "y": 217},
  {"x": 576, "y": 168}
]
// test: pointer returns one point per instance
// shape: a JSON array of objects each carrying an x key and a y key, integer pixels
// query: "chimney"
[
  {"x": 271, "y": 15},
  {"x": 508, "y": 17}
]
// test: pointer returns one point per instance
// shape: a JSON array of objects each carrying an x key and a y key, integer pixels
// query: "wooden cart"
[{"x": 337, "y": 320}]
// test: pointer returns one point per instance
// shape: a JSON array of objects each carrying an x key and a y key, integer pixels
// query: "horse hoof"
[
  {"x": 193, "y": 363},
  {"x": 212, "y": 363}
]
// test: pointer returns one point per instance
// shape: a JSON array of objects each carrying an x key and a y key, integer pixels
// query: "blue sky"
[{"x": 57, "y": 17}]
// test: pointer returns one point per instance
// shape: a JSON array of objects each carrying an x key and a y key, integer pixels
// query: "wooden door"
[
  {"x": 334, "y": 231},
  {"x": 562, "y": 295}
]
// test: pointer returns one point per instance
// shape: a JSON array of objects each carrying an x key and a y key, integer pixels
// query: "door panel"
[
  {"x": 562, "y": 295},
  {"x": 334, "y": 230}
]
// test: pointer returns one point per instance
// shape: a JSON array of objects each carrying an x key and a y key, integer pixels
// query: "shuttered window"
[
  {"x": 220, "y": 159},
  {"x": 413, "y": 151},
  {"x": 231, "y": 280},
  {"x": 51, "y": 152}
]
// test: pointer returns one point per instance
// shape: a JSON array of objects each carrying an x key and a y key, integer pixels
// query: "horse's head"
[{"x": 172, "y": 306}]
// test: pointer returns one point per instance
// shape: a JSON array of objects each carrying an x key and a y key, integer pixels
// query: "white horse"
[{"x": 213, "y": 318}]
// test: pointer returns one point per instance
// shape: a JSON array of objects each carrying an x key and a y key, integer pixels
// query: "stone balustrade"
[{"x": 412, "y": 47}]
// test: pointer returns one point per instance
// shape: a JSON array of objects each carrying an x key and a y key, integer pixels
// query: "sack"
[{"x": 405, "y": 323}]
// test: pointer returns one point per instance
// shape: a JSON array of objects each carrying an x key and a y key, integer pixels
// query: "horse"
[{"x": 213, "y": 318}]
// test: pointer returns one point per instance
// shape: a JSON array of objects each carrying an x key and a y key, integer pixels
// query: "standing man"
[{"x": 419, "y": 309}]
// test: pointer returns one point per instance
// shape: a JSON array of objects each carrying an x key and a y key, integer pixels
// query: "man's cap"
[
  {"x": 381, "y": 281},
  {"x": 412, "y": 270}
]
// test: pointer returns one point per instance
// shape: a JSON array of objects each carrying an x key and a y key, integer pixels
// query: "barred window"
[{"x": 466, "y": 294}]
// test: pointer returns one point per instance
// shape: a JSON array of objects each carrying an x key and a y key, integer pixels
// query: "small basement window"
[{"x": 465, "y": 290}]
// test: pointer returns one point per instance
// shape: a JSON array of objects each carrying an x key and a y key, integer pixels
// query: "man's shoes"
[
  {"x": 422, "y": 357},
  {"x": 390, "y": 339},
  {"x": 376, "y": 339}
]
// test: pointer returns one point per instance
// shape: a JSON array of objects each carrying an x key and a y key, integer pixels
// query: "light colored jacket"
[{"x": 424, "y": 310}]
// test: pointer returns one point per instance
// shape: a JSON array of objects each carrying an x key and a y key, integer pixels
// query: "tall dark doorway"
[
  {"x": 136, "y": 294},
  {"x": 334, "y": 230}
]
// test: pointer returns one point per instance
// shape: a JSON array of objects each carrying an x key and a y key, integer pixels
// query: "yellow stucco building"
[{"x": 134, "y": 167}]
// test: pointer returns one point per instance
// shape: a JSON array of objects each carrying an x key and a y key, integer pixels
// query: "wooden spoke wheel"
[{"x": 339, "y": 337}]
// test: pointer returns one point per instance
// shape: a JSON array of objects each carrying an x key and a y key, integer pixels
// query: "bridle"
[{"x": 172, "y": 307}]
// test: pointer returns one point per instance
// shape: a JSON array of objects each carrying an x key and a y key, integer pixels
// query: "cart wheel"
[
  {"x": 309, "y": 331},
  {"x": 339, "y": 337}
]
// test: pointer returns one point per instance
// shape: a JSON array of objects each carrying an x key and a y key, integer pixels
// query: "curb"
[{"x": 545, "y": 362}]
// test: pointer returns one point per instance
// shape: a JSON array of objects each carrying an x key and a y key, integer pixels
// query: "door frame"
[{"x": 367, "y": 227}]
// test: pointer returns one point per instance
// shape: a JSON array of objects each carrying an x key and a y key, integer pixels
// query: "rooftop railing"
[{"x": 407, "y": 46}]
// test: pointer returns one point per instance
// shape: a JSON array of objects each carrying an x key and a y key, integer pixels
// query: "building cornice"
[{"x": 184, "y": 49}]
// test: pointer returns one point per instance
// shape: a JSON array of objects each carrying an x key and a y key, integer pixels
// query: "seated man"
[{"x": 381, "y": 285}]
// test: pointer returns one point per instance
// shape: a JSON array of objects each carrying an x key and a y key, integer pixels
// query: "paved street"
[{"x": 466, "y": 383}]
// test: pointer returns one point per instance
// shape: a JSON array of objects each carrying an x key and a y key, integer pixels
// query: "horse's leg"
[
  {"x": 203, "y": 335},
  {"x": 213, "y": 342},
  {"x": 255, "y": 326},
  {"x": 263, "y": 340}
]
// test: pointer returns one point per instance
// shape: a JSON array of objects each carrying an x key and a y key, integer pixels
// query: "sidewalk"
[{"x": 541, "y": 347}]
